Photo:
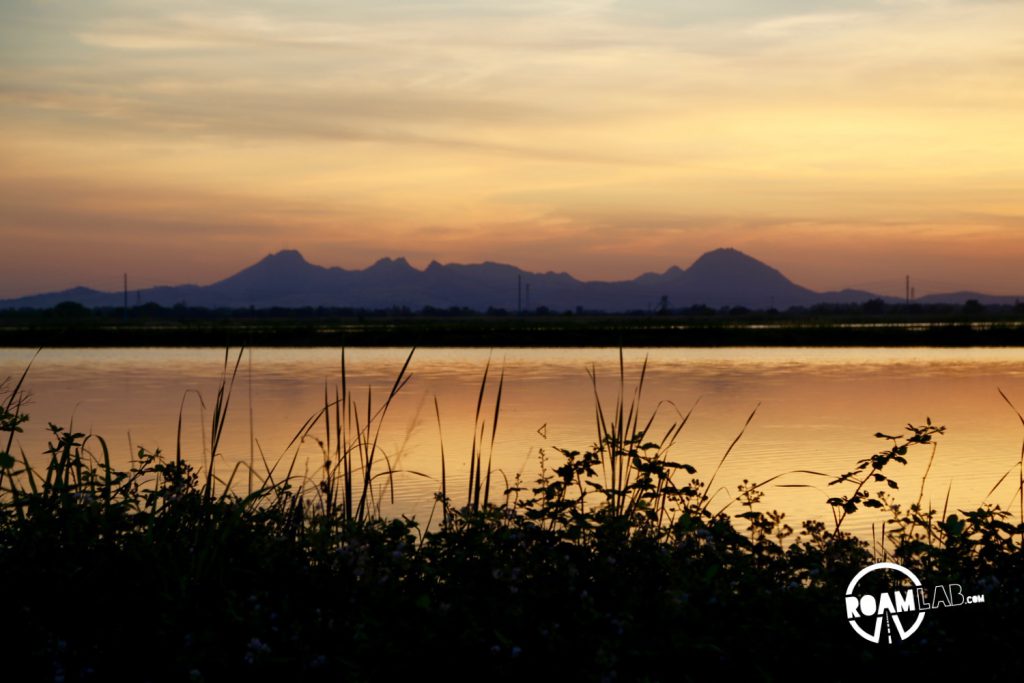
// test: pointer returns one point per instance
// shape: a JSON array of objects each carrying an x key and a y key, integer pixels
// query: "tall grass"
[
  {"x": 351, "y": 448},
  {"x": 629, "y": 473}
]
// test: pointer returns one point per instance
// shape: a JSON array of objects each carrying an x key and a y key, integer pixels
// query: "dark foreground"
[{"x": 614, "y": 566}]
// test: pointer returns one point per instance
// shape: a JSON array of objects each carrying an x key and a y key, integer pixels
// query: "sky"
[{"x": 847, "y": 143}]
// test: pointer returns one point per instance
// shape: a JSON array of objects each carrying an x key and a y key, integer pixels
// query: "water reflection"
[{"x": 819, "y": 408}]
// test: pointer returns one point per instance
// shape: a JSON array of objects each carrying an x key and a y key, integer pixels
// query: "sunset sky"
[{"x": 845, "y": 142}]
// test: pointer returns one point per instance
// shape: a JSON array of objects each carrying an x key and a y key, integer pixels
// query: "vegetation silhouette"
[{"x": 615, "y": 564}]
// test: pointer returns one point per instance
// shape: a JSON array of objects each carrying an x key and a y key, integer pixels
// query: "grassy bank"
[
  {"x": 869, "y": 324},
  {"x": 618, "y": 563}
]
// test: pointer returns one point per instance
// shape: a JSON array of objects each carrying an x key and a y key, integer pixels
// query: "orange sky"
[{"x": 846, "y": 143}]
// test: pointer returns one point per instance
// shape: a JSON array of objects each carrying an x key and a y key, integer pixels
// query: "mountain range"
[{"x": 722, "y": 277}]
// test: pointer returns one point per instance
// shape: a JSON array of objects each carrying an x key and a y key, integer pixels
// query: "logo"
[{"x": 887, "y": 601}]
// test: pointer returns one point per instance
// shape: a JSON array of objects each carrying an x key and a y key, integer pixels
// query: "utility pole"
[
  {"x": 126, "y": 296},
  {"x": 519, "y": 293},
  {"x": 908, "y": 289}
]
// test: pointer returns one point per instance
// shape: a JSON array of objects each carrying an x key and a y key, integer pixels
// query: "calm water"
[{"x": 819, "y": 409}]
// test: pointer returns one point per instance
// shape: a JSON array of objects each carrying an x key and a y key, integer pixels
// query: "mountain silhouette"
[{"x": 719, "y": 278}]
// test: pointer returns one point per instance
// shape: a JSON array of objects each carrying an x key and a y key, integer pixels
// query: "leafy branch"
[{"x": 870, "y": 470}]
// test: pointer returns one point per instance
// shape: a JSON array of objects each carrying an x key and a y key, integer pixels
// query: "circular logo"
[{"x": 879, "y": 601}]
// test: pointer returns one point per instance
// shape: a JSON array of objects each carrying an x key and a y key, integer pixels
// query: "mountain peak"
[
  {"x": 390, "y": 264},
  {"x": 286, "y": 257},
  {"x": 285, "y": 263},
  {"x": 726, "y": 257},
  {"x": 729, "y": 277}
]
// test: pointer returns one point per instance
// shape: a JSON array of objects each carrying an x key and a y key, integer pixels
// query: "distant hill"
[
  {"x": 719, "y": 278},
  {"x": 964, "y": 297}
]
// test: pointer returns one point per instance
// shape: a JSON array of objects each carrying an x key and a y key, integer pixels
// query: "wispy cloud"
[{"x": 800, "y": 23}]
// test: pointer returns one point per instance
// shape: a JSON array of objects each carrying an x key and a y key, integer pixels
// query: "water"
[{"x": 817, "y": 409}]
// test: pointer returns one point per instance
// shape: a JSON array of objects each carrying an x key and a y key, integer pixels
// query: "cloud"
[
  {"x": 581, "y": 127},
  {"x": 790, "y": 25}
]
